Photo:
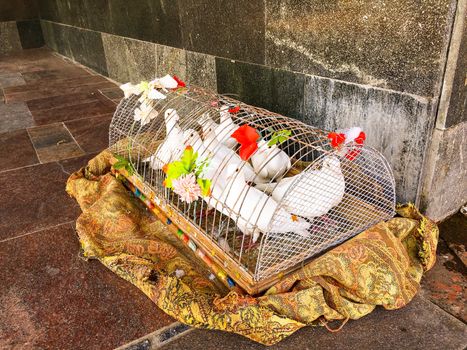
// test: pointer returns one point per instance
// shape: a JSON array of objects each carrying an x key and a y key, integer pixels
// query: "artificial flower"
[
  {"x": 245, "y": 134},
  {"x": 145, "y": 113},
  {"x": 279, "y": 137},
  {"x": 154, "y": 94},
  {"x": 234, "y": 110},
  {"x": 354, "y": 134},
  {"x": 187, "y": 188},
  {"x": 336, "y": 139},
  {"x": 130, "y": 89},
  {"x": 168, "y": 82},
  {"x": 247, "y": 137},
  {"x": 360, "y": 138},
  {"x": 180, "y": 83}
]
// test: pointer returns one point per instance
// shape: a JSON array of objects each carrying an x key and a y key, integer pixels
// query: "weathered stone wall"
[
  {"x": 445, "y": 180},
  {"x": 19, "y": 25},
  {"x": 333, "y": 64}
]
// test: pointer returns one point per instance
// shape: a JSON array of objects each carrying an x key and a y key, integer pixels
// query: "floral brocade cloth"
[{"x": 381, "y": 266}]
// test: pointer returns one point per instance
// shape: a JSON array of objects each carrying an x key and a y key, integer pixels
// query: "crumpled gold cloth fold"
[{"x": 381, "y": 266}]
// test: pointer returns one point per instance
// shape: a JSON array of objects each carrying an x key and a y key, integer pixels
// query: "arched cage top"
[{"x": 268, "y": 190}]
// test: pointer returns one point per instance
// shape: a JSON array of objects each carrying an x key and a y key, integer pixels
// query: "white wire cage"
[{"x": 294, "y": 197}]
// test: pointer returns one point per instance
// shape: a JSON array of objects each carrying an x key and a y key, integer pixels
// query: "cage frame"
[{"x": 225, "y": 266}]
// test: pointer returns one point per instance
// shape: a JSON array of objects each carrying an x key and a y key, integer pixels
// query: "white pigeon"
[
  {"x": 270, "y": 162},
  {"x": 226, "y": 128},
  {"x": 222, "y": 152},
  {"x": 252, "y": 210},
  {"x": 172, "y": 147},
  {"x": 216, "y": 162},
  {"x": 311, "y": 193}
]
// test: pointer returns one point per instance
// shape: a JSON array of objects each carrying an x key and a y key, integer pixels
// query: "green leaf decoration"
[
  {"x": 120, "y": 158},
  {"x": 188, "y": 159},
  {"x": 144, "y": 85},
  {"x": 187, "y": 165},
  {"x": 201, "y": 165},
  {"x": 123, "y": 163},
  {"x": 205, "y": 186},
  {"x": 174, "y": 171},
  {"x": 120, "y": 164},
  {"x": 279, "y": 137},
  {"x": 129, "y": 169}
]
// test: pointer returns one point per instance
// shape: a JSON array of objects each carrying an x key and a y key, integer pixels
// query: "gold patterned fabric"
[{"x": 381, "y": 266}]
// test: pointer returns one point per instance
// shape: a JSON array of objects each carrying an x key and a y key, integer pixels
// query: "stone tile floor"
[{"x": 54, "y": 116}]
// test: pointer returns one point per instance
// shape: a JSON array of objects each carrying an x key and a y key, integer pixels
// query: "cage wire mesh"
[{"x": 288, "y": 202}]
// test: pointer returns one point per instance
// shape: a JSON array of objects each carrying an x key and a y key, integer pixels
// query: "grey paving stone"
[
  {"x": 129, "y": 59},
  {"x": 11, "y": 79},
  {"x": 9, "y": 38},
  {"x": 398, "y": 45},
  {"x": 446, "y": 283},
  {"x": 54, "y": 142},
  {"x": 419, "y": 326},
  {"x": 15, "y": 116}
]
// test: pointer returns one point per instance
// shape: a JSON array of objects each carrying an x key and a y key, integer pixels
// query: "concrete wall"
[
  {"x": 445, "y": 181},
  {"x": 19, "y": 26},
  {"x": 330, "y": 63}
]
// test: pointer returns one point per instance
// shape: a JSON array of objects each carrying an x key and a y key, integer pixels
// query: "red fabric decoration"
[
  {"x": 351, "y": 155},
  {"x": 336, "y": 139},
  {"x": 234, "y": 110},
  {"x": 247, "y": 137},
  {"x": 361, "y": 137},
  {"x": 246, "y": 151},
  {"x": 179, "y": 82}
]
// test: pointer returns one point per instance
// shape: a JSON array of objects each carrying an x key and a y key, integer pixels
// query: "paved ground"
[{"x": 54, "y": 116}]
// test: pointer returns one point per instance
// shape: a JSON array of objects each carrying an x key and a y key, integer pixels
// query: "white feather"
[
  {"x": 270, "y": 162},
  {"x": 312, "y": 193},
  {"x": 224, "y": 154},
  {"x": 130, "y": 89},
  {"x": 251, "y": 209},
  {"x": 226, "y": 128},
  {"x": 172, "y": 147}
]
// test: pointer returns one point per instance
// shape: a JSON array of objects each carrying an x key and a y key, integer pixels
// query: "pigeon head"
[
  {"x": 171, "y": 118},
  {"x": 191, "y": 138},
  {"x": 331, "y": 163}
]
